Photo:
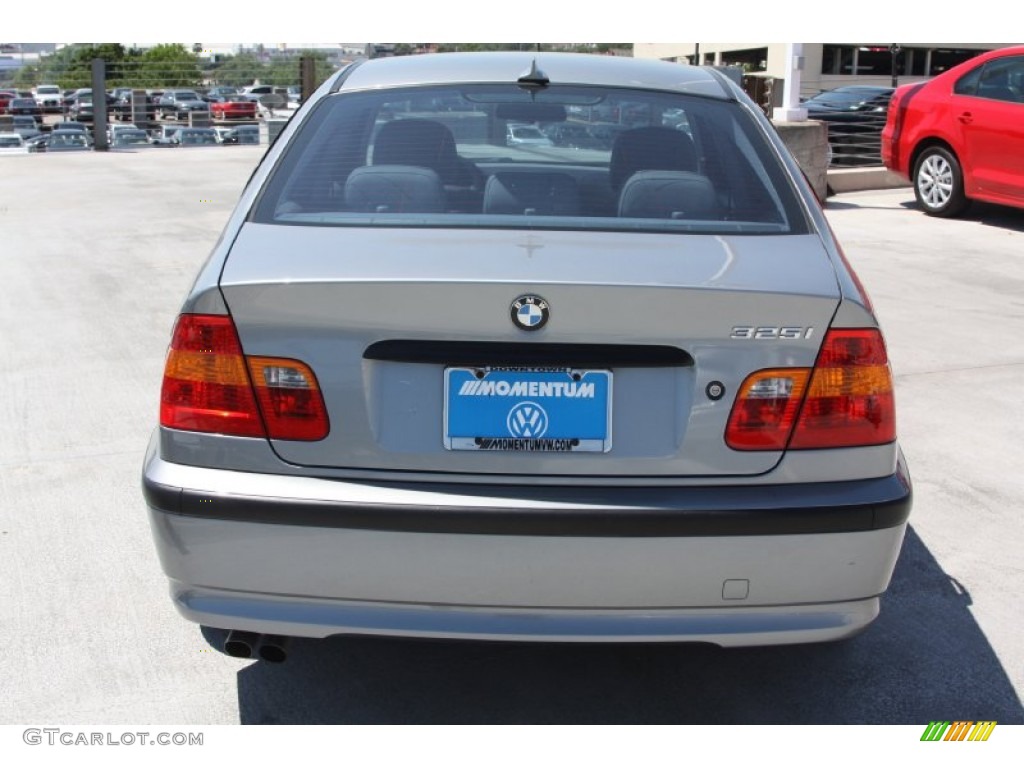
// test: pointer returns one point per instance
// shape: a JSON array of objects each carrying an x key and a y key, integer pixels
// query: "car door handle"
[{"x": 966, "y": 117}]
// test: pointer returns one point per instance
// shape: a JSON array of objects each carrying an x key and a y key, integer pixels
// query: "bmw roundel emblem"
[{"x": 530, "y": 312}]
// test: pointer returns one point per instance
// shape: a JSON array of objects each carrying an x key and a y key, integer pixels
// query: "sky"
[{"x": 551, "y": 21}]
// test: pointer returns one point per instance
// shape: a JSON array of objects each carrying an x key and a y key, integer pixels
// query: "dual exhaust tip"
[{"x": 247, "y": 645}]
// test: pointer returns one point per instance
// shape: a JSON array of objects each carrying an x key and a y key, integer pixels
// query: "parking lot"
[{"x": 100, "y": 248}]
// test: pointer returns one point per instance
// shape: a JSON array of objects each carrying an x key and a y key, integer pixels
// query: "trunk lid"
[{"x": 379, "y": 314}]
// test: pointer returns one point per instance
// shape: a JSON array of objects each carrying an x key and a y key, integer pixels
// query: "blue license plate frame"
[{"x": 520, "y": 409}]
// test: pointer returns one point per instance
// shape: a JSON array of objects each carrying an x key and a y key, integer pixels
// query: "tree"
[
  {"x": 71, "y": 66},
  {"x": 167, "y": 66},
  {"x": 27, "y": 77},
  {"x": 286, "y": 71},
  {"x": 243, "y": 69}
]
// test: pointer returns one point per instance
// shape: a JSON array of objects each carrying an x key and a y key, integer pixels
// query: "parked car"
[
  {"x": 74, "y": 125},
  {"x": 123, "y": 109},
  {"x": 12, "y": 144},
  {"x": 129, "y": 137},
  {"x": 242, "y": 134},
  {"x": 233, "y": 109},
  {"x": 573, "y": 135},
  {"x": 71, "y": 125},
  {"x": 166, "y": 137},
  {"x": 958, "y": 136},
  {"x": 518, "y": 135},
  {"x": 68, "y": 141},
  {"x": 254, "y": 92},
  {"x": 25, "y": 126},
  {"x": 178, "y": 103},
  {"x": 81, "y": 109},
  {"x": 71, "y": 96},
  {"x": 220, "y": 93},
  {"x": 268, "y": 97},
  {"x": 196, "y": 137},
  {"x": 5, "y": 100},
  {"x": 116, "y": 128},
  {"x": 48, "y": 97},
  {"x": 428, "y": 385},
  {"x": 23, "y": 106},
  {"x": 37, "y": 143},
  {"x": 855, "y": 116}
]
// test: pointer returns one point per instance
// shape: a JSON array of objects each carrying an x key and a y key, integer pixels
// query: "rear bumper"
[
  {"x": 726, "y": 627},
  {"x": 313, "y": 557}
]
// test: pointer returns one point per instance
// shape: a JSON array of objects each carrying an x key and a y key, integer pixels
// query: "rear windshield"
[{"x": 562, "y": 158}]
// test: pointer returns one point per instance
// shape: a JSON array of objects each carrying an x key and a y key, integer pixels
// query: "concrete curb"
[{"x": 861, "y": 179}]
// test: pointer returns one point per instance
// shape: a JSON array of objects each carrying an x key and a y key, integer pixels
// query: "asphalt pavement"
[{"x": 98, "y": 250}]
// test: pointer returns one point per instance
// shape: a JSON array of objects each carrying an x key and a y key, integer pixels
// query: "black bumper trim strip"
[{"x": 813, "y": 508}]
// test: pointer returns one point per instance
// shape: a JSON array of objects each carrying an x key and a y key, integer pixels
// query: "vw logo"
[
  {"x": 530, "y": 312},
  {"x": 527, "y": 420}
]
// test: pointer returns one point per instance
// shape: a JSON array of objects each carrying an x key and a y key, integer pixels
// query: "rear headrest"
[
  {"x": 423, "y": 143},
  {"x": 534, "y": 194},
  {"x": 668, "y": 195},
  {"x": 394, "y": 189},
  {"x": 650, "y": 148}
]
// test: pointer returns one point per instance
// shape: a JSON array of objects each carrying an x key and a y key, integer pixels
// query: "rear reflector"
[
  {"x": 207, "y": 387},
  {"x": 847, "y": 402}
]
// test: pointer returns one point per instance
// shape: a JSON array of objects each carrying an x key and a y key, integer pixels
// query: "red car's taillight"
[
  {"x": 847, "y": 402},
  {"x": 207, "y": 387}
]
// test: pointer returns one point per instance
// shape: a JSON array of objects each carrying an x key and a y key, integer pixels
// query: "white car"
[
  {"x": 12, "y": 144},
  {"x": 116, "y": 128},
  {"x": 48, "y": 97},
  {"x": 526, "y": 136}
]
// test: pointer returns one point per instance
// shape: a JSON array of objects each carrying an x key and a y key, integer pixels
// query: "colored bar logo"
[{"x": 960, "y": 730}]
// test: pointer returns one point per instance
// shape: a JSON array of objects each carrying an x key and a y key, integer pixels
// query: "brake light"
[
  {"x": 850, "y": 398},
  {"x": 845, "y": 401},
  {"x": 207, "y": 386}
]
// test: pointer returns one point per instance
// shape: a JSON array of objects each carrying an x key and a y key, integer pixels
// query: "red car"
[
  {"x": 5, "y": 100},
  {"x": 960, "y": 136},
  {"x": 233, "y": 110}
]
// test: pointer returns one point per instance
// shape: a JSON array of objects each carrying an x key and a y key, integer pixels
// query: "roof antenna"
[{"x": 534, "y": 78}]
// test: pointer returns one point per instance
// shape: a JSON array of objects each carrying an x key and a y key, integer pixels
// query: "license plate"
[{"x": 527, "y": 409}]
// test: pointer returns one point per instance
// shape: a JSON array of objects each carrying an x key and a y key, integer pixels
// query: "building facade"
[{"x": 826, "y": 65}]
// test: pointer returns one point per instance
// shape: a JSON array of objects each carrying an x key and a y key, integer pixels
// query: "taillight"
[
  {"x": 765, "y": 410},
  {"x": 850, "y": 398},
  {"x": 847, "y": 402},
  {"x": 289, "y": 398},
  {"x": 207, "y": 387},
  {"x": 206, "y": 384},
  {"x": 891, "y": 145}
]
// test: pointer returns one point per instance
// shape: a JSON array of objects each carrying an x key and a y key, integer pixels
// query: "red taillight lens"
[
  {"x": 847, "y": 402},
  {"x": 207, "y": 387},
  {"x": 850, "y": 398},
  {"x": 289, "y": 398},
  {"x": 765, "y": 410}
]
